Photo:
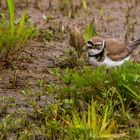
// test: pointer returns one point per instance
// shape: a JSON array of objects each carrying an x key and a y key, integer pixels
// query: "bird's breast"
[{"x": 93, "y": 61}]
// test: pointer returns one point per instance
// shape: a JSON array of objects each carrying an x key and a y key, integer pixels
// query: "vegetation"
[
  {"x": 87, "y": 104},
  {"x": 13, "y": 37},
  {"x": 79, "y": 102},
  {"x": 90, "y": 31}
]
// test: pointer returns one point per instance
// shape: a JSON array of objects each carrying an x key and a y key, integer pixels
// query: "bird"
[{"x": 110, "y": 52}]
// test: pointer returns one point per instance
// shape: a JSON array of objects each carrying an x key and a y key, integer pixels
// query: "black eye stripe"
[{"x": 90, "y": 43}]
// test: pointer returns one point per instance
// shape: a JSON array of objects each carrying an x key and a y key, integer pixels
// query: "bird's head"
[{"x": 95, "y": 45}]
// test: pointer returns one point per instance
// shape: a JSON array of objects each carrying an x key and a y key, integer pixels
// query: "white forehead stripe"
[{"x": 89, "y": 45}]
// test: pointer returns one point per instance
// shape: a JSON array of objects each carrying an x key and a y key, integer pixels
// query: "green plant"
[
  {"x": 88, "y": 82},
  {"x": 13, "y": 37},
  {"x": 65, "y": 7},
  {"x": 90, "y": 31},
  {"x": 69, "y": 8},
  {"x": 84, "y": 4},
  {"x": 92, "y": 125},
  {"x": 82, "y": 103},
  {"x": 117, "y": 87},
  {"x": 45, "y": 35}
]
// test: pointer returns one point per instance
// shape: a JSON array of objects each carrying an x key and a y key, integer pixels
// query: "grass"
[
  {"x": 13, "y": 37},
  {"x": 87, "y": 104},
  {"x": 68, "y": 8},
  {"x": 90, "y": 31},
  {"x": 92, "y": 125},
  {"x": 80, "y": 104},
  {"x": 116, "y": 88}
]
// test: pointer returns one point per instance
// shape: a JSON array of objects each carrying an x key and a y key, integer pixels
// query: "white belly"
[
  {"x": 107, "y": 61},
  {"x": 93, "y": 61}
]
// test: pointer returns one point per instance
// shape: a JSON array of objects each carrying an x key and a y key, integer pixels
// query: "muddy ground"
[{"x": 118, "y": 19}]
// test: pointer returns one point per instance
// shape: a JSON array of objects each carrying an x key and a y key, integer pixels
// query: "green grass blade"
[
  {"x": 84, "y": 3},
  {"x": 76, "y": 121},
  {"x": 89, "y": 115},
  {"x": 93, "y": 116},
  {"x": 113, "y": 136},
  {"x": 110, "y": 128},
  {"x": 90, "y": 31},
  {"x": 121, "y": 101},
  {"x": 11, "y": 9},
  {"x": 21, "y": 24},
  {"x": 104, "y": 120},
  {"x": 134, "y": 94}
]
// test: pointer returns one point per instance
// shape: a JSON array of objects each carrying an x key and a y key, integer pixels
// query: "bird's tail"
[{"x": 134, "y": 44}]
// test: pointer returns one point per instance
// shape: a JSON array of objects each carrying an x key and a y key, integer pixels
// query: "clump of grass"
[
  {"x": 44, "y": 35},
  {"x": 66, "y": 7},
  {"x": 91, "y": 125},
  {"x": 117, "y": 87},
  {"x": 13, "y": 37},
  {"x": 70, "y": 9},
  {"x": 90, "y": 31},
  {"x": 89, "y": 82}
]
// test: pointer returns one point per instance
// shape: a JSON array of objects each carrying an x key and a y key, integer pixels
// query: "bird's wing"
[
  {"x": 116, "y": 50},
  {"x": 114, "y": 46},
  {"x": 121, "y": 56}
]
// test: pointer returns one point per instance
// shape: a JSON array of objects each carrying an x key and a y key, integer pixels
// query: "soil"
[{"x": 118, "y": 19}]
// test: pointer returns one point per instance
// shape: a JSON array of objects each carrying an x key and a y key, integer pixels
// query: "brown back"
[
  {"x": 116, "y": 50},
  {"x": 114, "y": 46}
]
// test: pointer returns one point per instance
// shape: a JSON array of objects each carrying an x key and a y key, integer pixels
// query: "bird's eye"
[{"x": 95, "y": 46}]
